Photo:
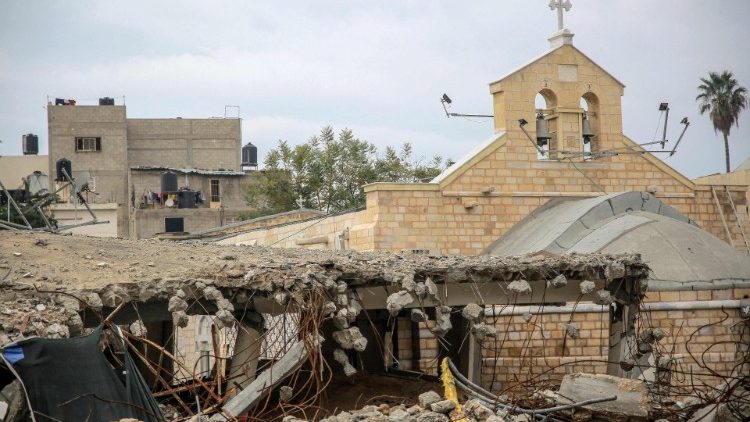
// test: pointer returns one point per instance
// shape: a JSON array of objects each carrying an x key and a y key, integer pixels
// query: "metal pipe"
[
  {"x": 534, "y": 309},
  {"x": 538, "y": 149},
  {"x": 664, "y": 136},
  {"x": 12, "y": 201},
  {"x": 692, "y": 305},
  {"x": 496, "y": 402},
  {"x": 687, "y": 123},
  {"x": 594, "y": 308},
  {"x": 696, "y": 285}
]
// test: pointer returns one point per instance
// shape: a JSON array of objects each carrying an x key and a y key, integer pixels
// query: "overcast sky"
[{"x": 377, "y": 67}]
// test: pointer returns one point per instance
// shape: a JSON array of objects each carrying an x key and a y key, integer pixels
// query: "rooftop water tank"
[
  {"x": 169, "y": 181},
  {"x": 106, "y": 101},
  {"x": 186, "y": 198},
  {"x": 249, "y": 155},
  {"x": 30, "y": 144},
  {"x": 63, "y": 163}
]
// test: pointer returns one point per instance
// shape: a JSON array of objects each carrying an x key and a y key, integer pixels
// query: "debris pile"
[{"x": 52, "y": 285}]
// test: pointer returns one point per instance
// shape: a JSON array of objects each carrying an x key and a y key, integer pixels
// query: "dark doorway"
[{"x": 174, "y": 224}]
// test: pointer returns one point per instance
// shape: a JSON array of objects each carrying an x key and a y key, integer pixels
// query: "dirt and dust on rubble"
[
  {"x": 50, "y": 283},
  {"x": 47, "y": 279}
]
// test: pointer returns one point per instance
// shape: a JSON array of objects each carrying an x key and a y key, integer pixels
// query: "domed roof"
[{"x": 674, "y": 247}]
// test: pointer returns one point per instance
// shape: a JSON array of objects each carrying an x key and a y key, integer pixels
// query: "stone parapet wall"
[{"x": 344, "y": 231}]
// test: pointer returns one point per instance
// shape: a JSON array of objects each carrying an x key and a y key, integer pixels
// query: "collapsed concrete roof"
[
  {"x": 679, "y": 253},
  {"x": 53, "y": 269}
]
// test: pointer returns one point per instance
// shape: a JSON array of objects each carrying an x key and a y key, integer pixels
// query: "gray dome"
[{"x": 674, "y": 247}]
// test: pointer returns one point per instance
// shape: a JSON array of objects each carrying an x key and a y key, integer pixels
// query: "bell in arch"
[
  {"x": 586, "y": 132},
  {"x": 542, "y": 130}
]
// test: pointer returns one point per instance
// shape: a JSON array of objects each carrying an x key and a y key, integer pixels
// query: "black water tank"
[
  {"x": 186, "y": 198},
  {"x": 30, "y": 144},
  {"x": 106, "y": 101},
  {"x": 249, "y": 155},
  {"x": 169, "y": 181},
  {"x": 63, "y": 163}
]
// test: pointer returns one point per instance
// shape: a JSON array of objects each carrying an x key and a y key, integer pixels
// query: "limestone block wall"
[
  {"x": 563, "y": 76},
  {"x": 540, "y": 349},
  {"x": 424, "y": 217},
  {"x": 701, "y": 340},
  {"x": 465, "y": 215},
  {"x": 357, "y": 226},
  {"x": 241, "y": 226},
  {"x": 427, "y": 361}
]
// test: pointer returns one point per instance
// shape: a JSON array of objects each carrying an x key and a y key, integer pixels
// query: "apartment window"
[
  {"x": 215, "y": 194},
  {"x": 88, "y": 144}
]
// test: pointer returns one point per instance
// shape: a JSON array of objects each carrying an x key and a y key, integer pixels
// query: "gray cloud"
[{"x": 376, "y": 67}]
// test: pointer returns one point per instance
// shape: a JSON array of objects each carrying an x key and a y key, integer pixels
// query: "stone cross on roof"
[{"x": 560, "y": 5}]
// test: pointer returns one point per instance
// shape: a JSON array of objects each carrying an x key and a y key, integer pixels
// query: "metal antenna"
[
  {"x": 521, "y": 124},
  {"x": 665, "y": 108},
  {"x": 685, "y": 122},
  {"x": 445, "y": 100}
]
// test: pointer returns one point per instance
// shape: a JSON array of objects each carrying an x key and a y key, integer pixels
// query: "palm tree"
[{"x": 723, "y": 99}]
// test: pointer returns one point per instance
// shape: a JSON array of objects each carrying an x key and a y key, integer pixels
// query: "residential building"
[{"x": 123, "y": 159}]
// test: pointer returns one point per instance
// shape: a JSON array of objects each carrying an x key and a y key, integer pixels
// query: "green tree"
[
  {"x": 328, "y": 171},
  {"x": 721, "y": 96}
]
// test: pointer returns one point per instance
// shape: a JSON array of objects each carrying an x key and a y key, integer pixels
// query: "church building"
[{"x": 558, "y": 179}]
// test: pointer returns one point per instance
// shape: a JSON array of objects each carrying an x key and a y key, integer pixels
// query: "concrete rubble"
[
  {"x": 341, "y": 357},
  {"x": 350, "y": 339},
  {"x": 633, "y": 402},
  {"x": 397, "y": 301},
  {"x": 587, "y": 287},
  {"x": 472, "y": 312},
  {"x": 187, "y": 278},
  {"x": 442, "y": 320},
  {"x": 521, "y": 287},
  {"x": 482, "y": 331},
  {"x": 559, "y": 281}
]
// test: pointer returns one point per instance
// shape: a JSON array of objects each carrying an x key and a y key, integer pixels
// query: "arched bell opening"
[
  {"x": 590, "y": 128},
  {"x": 545, "y": 104}
]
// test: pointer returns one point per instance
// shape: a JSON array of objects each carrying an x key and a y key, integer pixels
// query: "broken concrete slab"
[
  {"x": 559, "y": 281},
  {"x": 341, "y": 357},
  {"x": 472, "y": 312},
  {"x": 482, "y": 331},
  {"x": 429, "y": 397},
  {"x": 257, "y": 389},
  {"x": 350, "y": 339},
  {"x": 632, "y": 395},
  {"x": 521, "y": 287},
  {"x": 442, "y": 320},
  {"x": 587, "y": 287},
  {"x": 397, "y": 301}
]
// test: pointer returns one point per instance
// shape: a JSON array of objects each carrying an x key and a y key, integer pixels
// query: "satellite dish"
[{"x": 82, "y": 181}]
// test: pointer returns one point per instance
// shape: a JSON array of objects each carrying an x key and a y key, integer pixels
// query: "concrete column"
[{"x": 245, "y": 358}]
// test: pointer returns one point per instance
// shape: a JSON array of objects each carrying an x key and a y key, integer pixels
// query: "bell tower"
[{"x": 574, "y": 102}]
